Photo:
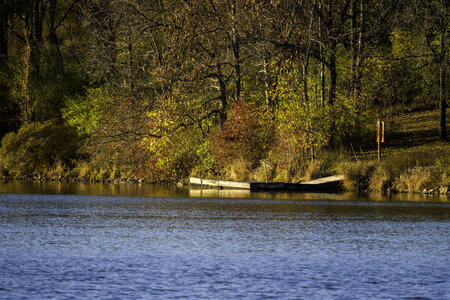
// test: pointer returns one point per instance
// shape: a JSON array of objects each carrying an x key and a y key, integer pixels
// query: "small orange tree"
[{"x": 247, "y": 134}]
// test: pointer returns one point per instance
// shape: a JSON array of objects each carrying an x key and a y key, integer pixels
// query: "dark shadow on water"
[{"x": 345, "y": 196}]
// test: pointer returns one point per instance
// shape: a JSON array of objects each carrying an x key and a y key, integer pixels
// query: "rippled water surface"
[{"x": 129, "y": 241}]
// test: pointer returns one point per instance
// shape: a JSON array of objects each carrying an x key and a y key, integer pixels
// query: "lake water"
[{"x": 140, "y": 241}]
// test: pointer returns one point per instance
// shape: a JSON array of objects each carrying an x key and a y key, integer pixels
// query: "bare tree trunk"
[
  {"x": 235, "y": 45},
  {"x": 305, "y": 80},
  {"x": 322, "y": 61},
  {"x": 332, "y": 58},
  {"x": 4, "y": 17},
  {"x": 360, "y": 49},
  {"x": 353, "y": 44},
  {"x": 322, "y": 76},
  {"x": 269, "y": 101},
  {"x": 33, "y": 14},
  {"x": 443, "y": 105},
  {"x": 52, "y": 32},
  {"x": 222, "y": 97},
  {"x": 52, "y": 13},
  {"x": 333, "y": 72},
  {"x": 442, "y": 85},
  {"x": 131, "y": 70},
  {"x": 307, "y": 55}
]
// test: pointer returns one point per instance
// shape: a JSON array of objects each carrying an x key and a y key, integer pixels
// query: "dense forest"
[{"x": 161, "y": 90}]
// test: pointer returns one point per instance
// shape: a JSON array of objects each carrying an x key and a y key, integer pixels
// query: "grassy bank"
[{"x": 413, "y": 160}]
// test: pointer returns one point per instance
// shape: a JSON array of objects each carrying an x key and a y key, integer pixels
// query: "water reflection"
[
  {"x": 159, "y": 190},
  {"x": 95, "y": 188},
  {"x": 348, "y": 196},
  {"x": 218, "y": 193}
]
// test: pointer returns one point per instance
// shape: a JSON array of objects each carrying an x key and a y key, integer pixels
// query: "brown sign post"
[{"x": 380, "y": 136}]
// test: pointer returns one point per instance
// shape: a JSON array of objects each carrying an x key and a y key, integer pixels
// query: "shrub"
[
  {"x": 37, "y": 146},
  {"x": 417, "y": 179},
  {"x": 352, "y": 121},
  {"x": 114, "y": 173},
  {"x": 171, "y": 158},
  {"x": 84, "y": 170},
  {"x": 316, "y": 169},
  {"x": 57, "y": 171},
  {"x": 208, "y": 165},
  {"x": 356, "y": 175},
  {"x": 443, "y": 166},
  {"x": 240, "y": 170},
  {"x": 265, "y": 172},
  {"x": 246, "y": 135},
  {"x": 3, "y": 170},
  {"x": 289, "y": 157},
  {"x": 84, "y": 113},
  {"x": 102, "y": 174},
  {"x": 404, "y": 171},
  {"x": 282, "y": 175},
  {"x": 382, "y": 180}
]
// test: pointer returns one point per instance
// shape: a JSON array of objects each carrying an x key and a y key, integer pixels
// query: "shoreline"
[{"x": 442, "y": 191}]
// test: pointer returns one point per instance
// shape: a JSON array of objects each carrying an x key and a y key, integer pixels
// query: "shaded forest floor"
[
  {"x": 410, "y": 130},
  {"x": 414, "y": 132},
  {"x": 413, "y": 158}
]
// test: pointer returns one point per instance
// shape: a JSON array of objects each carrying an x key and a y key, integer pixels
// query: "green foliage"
[
  {"x": 39, "y": 87},
  {"x": 401, "y": 74},
  {"x": 37, "y": 146},
  {"x": 404, "y": 43},
  {"x": 84, "y": 113},
  {"x": 53, "y": 86},
  {"x": 175, "y": 142},
  {"x": 353, "y": 119},
  {"x": 205, "y": 155},
  {"x": 20, "y": 81},
  {"x": 171, "y": 158},
  {"x": 305, "y": 121}
]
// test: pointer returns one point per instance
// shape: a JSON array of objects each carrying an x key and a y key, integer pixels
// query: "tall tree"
[
  {"x": 358, "y": 11},
  {"x": 434, "y": 16},
  {"x": 5, "y": 13},
  {"x": 333, "y": 15},
  {"x": 210, "y": 52}
]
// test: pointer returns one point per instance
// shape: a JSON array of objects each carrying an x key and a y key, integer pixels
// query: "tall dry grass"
[
  {"x": 240, "y": 170},
  {"x": 418, "y": 179},
  {"x": 316, "y": 169},
  {"x": 412, "y": 171},
  {"x": 357, "y": 175}
]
